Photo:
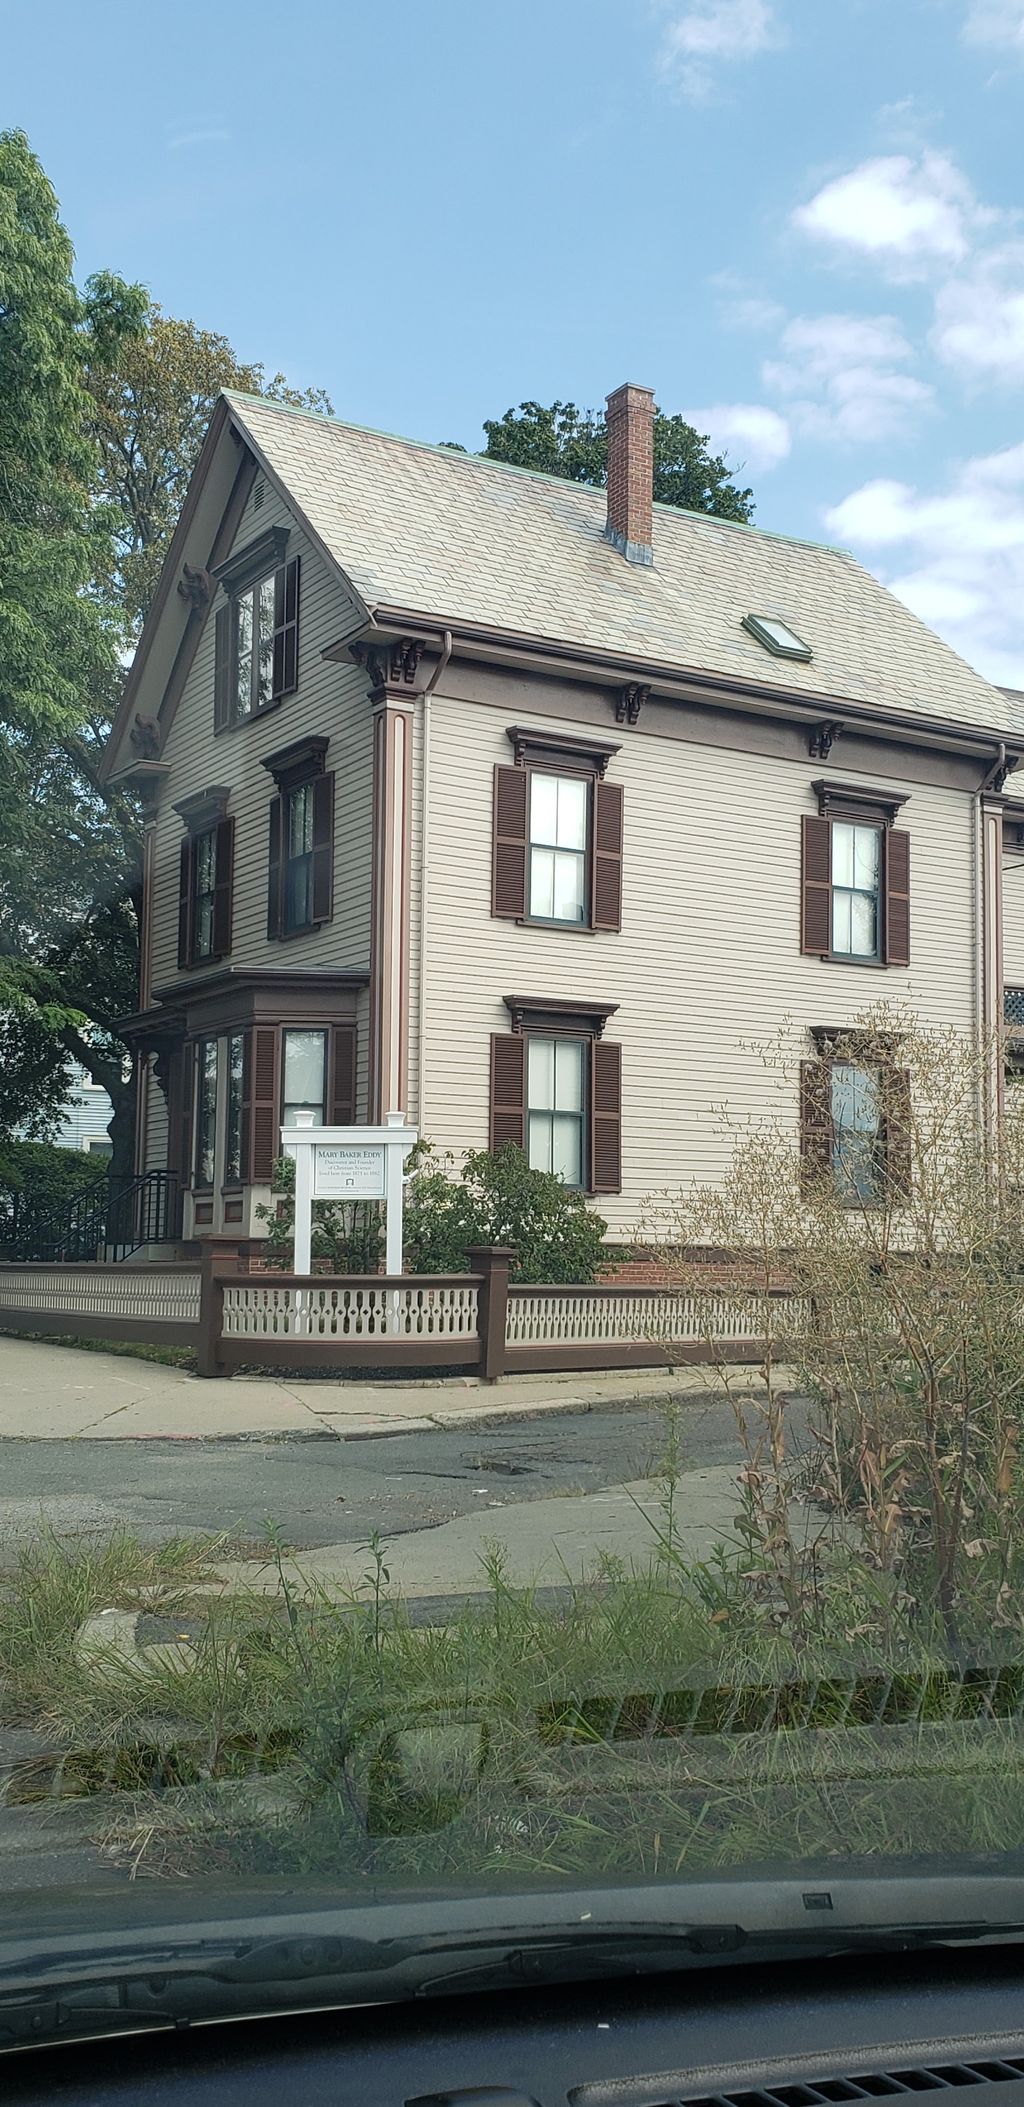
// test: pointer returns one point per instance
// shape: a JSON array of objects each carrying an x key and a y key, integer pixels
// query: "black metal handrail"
[{"x": 109, "y": 1221}]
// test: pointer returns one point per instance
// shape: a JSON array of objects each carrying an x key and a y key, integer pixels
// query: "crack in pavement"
[{"x": 80, "y": 1432}]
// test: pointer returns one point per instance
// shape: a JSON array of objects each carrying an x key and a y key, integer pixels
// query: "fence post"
[
  {"x": 492, "y": 1262},
  {"x": 214, "y": 1252}
]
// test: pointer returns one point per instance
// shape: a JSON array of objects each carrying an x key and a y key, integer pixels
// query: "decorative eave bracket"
[
  {"x": 197, "y": 587},
  {"x": 629, "y": 702},
  {"x": 391, "y": 668},
  {"x": 823, "y": 737}
]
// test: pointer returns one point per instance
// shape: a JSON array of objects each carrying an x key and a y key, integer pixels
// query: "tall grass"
[{"x": 655, "y": 1720}]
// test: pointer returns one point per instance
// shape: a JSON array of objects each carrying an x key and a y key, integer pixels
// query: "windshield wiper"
[{"x": 225, "y": 1964}]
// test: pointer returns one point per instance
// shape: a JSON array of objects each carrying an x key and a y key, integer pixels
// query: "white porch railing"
[
  {"x": 264, "y": 1309},
  {"x": 623, "y": 1317},
  {"x": 147, "y": 1295}
]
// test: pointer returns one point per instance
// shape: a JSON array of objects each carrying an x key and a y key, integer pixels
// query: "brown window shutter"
[
  {"x": 508, "y": 866},
  {"x": 898, "y": 1130},
  {"x": 508, "y": 1090},
  {"x": 262, "y": 1113},
  {"x": 224, "y": 869},
  {"x": 897, "y": 897},
  {"x": 323, "y": 848},
  {"x": 222, "y": 711},
  {"x": 286, "y": 629},
  {"x": 816, "y": 887},
  {"x": 815, "y": 1121},
  {"x": 274, "y": 885},
  {"x": 342, "y": 1101},
  {"x": 245, "y": 1124},
  {"x": 606, "y": 1118},
  {"x": 607, "y": 904},
  {"x": 185, "y": 904}
]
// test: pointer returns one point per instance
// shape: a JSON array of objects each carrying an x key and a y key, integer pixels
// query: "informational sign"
[
  {"x": 348, "y": 1163},
  {"x": 349, "y": 1173}
]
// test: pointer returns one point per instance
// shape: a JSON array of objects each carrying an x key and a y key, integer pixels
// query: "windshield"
[{"x": 460, "y": 1444}]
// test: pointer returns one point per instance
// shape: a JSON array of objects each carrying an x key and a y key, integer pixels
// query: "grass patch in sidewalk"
[
  {"x": 54, "y": 1586},
  {"x": 652, "y": 1720},
  {"x": 126, "y": 1349}
]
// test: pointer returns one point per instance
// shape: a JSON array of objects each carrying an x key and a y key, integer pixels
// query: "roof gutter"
[
  {"x": 996, "y": 774},
  {"x": 683, "y": 683}
]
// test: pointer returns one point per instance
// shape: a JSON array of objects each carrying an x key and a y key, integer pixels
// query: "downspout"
[
  {"x": 990, "y": 944},
  {"x": 421, "y": 1022}
]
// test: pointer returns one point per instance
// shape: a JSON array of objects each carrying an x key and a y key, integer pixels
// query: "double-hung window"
[
  {"x": 206, "y": 891},
  {"x": 252, "y": 682},
  {"x": 855, "y": 877},
  {"x": 303, "y": 1076},
  {"x": 301, "y": 851},
  {"x": 858, "y": 1142},
  {"x": 855, "y": 1120},
  {"x": 298, "y": 857},
  {"x": 559, "y": 822},
  {"x": 556, "y": 853},
  {"x": 207, "y": 1065},
  {"x": 256, "y": 633},
  {"x": 206, "y": 878},
  {"x": 556, "y": 1097},
  {"x": 556, "y": 1091},
  {"x": 233, "y": 1133}
]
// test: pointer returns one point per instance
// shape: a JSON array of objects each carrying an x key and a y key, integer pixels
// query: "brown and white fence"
[
  {"x": 476, "y": 1322},
  {"x": 157, "y": 1303}
]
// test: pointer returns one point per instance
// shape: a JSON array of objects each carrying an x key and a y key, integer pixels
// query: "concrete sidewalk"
[
  {"x": 59, "y": 1393},
  {"x": 544, "y": 1543}
]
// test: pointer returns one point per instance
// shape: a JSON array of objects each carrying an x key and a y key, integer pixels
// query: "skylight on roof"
[{"x": 776, "y": 636}]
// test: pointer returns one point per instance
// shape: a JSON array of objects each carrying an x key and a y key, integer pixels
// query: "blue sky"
[{"x": 801, "y": 221}]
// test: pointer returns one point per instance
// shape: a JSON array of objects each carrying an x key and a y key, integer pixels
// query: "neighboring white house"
[{"x": 86, "y": 1116}]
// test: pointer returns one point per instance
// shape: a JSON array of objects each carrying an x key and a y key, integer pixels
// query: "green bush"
[
  {"x": 495, "y": 1199},
  {"x": 498, "y": 1199},
  {"x": 348, "y": 1236},
  {"x": 38, "y": 1183}
]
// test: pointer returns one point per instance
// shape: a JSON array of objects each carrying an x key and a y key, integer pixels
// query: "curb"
[
  {"x": 490, "y": 1414},
  {"x": 437, "y": 1422}
]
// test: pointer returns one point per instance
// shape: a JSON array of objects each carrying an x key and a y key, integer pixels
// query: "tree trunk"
[
  {"x": 107, "y": 1070},
  {"x": 122, "y": 1131}
]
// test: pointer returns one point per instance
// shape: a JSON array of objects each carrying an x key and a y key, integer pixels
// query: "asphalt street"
[{"x": 321, "y": 1491}]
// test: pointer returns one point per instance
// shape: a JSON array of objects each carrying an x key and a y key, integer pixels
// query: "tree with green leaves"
[
  {"x": 564, "y": 441},
  {"x": 152, "y": 401},
  {"x": 55, "y": 637},
  {"x": 104, "y": 401},
  {"x": 58, "y": 639}
]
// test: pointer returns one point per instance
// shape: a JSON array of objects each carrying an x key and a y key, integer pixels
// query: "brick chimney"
[{"x": 631, "y": 471}]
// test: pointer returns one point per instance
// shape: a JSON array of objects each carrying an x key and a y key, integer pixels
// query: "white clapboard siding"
[
  {"x": 331, "y": 700},
  {"x": 1013, "y": 920},
  {"x": 707, "y": 965}
]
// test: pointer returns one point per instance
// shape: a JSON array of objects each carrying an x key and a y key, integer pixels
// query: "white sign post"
[{"x": 348, "y": 1163}]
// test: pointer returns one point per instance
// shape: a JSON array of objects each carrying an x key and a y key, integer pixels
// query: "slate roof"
[{"x": 478, "y": 543}]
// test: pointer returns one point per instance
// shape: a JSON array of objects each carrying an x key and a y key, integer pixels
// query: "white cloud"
[
  {"x": 213, "y": 137},
  {"x": 753, "y": 435},
  {"x": 958, "y": 554},
  {"x": 842, "y": 375},
  {"x": 999, "y": 22},
  {"x": 741, "y": 306},
  {"x": 903, "y": 213},
  {"x": 713, "y": 33},
  {"x": 979, "y": 318}
]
